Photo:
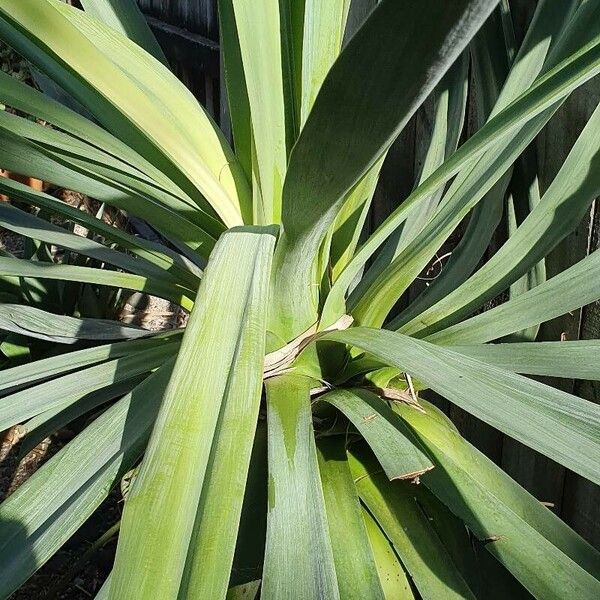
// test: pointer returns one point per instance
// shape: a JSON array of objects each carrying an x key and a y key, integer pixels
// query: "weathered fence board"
[{"x": 188, "y": 31}]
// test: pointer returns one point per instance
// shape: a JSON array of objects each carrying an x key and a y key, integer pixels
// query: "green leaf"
[
  {"x": 125, "y": 16},
  {"x": 349, "y": 222},
  {"x": 409, "y": 44},
  {"x": 200, "y": 448},
  {"x": 470, "y": 185},
  {"x": 38, "y": 428},
  {"x": 439, "y": 124},
  {"x": 25, "y": 268},
  {"x": 71, "y": 361},
  {"x": 73, "y": 483},
  {"x": 520, "y": 204},
  {"x": 530, "y": 112},
  {"x": 131, "y": 94},
  {"x": 324, "y": 25},
  {"x": 557, "y": 214},
  {"x": 489, "y": 66},
  {"x": 238, "y": 102},
  {"x": 394, "y": 506},
  {"x": 357, "y": 575},
  {"x": 27, "y": 99},
  {"x": 574, "y": 287},
  {"x": 299, "y": 561},
  {"x": 391, "y": 574},
  {"x": 543, "y": 553},
  {"x": 37, "y": 323},
  {"x": 259, "y": 32},
  {"x": 173, "y": 217},
  {"x": 396, "y": 449},
  {"x": 157, "y": 254},
  {"x": 36, "y": 228},
  {"x": 578, "y": 359},
  {"x": 63, "y": 391},
  {"x": 559, "y": 425}
]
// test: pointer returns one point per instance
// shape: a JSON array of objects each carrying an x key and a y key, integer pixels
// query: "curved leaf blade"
[
  {"x": 211, "y": 398},
  {"x": 559, "y": 425},
  {"x": 299, "y": 559}
]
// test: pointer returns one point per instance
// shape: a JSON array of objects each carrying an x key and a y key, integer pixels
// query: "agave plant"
[{"x": 282, "y": 443}]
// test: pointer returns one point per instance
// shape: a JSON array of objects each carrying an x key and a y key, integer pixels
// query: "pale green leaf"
[
  {"x": 393, "y": 579},
  {"x": 62, "y": 363},
  {"x": 394, "y": 506},
  {"x": 578, "y": 359},
  {"x": 299, "y": 559},
  {"x": 125, "y": 16},
  {"x": 410, "y": 45},
  {"x": 59, "y": 393},
  {"x": 259, "y": 32},
  {"x": 357, "y": 575},
  {"x": 209, "y": 408},
  {"x": 34, "y": 322},
  {"x": 73, "y": 483},
  {"x": 157, "y": 254},
  {"x": 573, "y": 288},
  {"x": 561, "y": 426},
  {"x": 529, "y": 113},
  {"x": 547, "y": 557},
  {"x": 396, "y": 449},
  {"x": 25, "y": 268},
  {"x": 324, "y": 25},
  {"x": 104, "y": 71},
  {"x": 556, "y": 215}
]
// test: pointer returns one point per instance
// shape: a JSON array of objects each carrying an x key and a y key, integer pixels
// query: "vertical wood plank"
[{"x": 199, "y": 17}]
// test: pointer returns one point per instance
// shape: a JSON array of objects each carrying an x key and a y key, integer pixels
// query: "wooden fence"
[{"x": 188, "y": 31}]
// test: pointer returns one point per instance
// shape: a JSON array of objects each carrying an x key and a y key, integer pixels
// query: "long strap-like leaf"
[
  {"x": 358, "y": 113},
  {"x": 73, "y": 483},
  {"x": 169, "y": 215},
  {"x": 394, "y": 445},
  {"x": 357, "y": 575},
  {"x": 259, "y": 26},
  {"x": 530, "y": 111},
  {"x": 469, "y": 187},
  {"x": 62, "y": 392},
  {"x": 131, "y": 94},
  {"x": 559, "y": 425},
  {"x": 62, "y": 329},
  {"x": 541, "y": 551},
  {"x": 298, "y": 556},
  {"x": 573, "y": 288},
  {"x": 557, "y": 214},
  {"x": 39, "y": 370},
  {"x": 155, "y": 253},
  {"x": 194, "y": 470},
  {"x": 578, "y": 359},
  {"x": 42, "y": 270},
  {"x": 125, "y": 16},
  {"x": 36, "y": 228},
  {"x": 394, "y": 506}
]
